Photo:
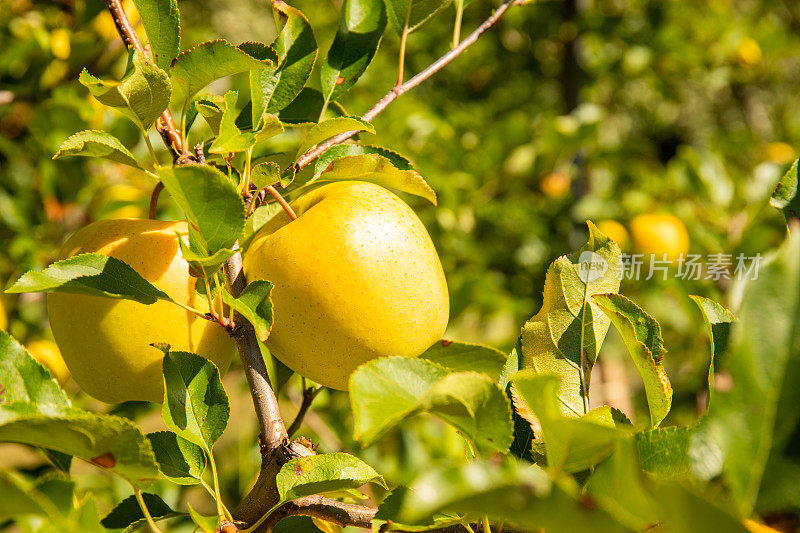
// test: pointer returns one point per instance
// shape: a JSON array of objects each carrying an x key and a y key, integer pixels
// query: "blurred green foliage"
[{"x": 645, "y": 106}]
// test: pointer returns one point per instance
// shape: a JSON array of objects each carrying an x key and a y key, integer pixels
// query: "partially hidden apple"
[
  {"x": 355, "y": 277},
  {"x": 106, "y": 342}
]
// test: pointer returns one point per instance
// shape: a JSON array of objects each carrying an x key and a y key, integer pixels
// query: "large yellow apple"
[
  {"x": 106, "y": 342},
  {"x": 356, "y": 277}
]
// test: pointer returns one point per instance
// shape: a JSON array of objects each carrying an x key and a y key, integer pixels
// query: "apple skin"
[
  {"x": 355, "y": 277},
  {"x": 47, "y": 353},
  {"x": 106, "y": 342}
]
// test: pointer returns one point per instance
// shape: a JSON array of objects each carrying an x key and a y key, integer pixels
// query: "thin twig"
[
  {"x": 154, "y": 199},
  {"x": 392, "y": 95},
  {"x": 308, "y": 397}
]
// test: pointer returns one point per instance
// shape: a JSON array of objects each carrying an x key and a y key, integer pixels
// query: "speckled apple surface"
[
  {"x": 106, "y": 342},
  {"x": 356, "y": 277}
]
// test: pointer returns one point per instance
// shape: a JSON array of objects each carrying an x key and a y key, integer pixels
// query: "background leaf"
[{"x": 754, "y": 424}]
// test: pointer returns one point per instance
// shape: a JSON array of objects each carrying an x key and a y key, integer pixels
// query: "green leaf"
[
  {"x": 195, "y": 403},
  {"x": 210, "y": 202},
  {"x": 24, "y": 379},
  {"x": 421, "y": 12},
  {"x": 386, "y": 391},
  {"x": 642, "y": 335},
  {"x": 331, "y": 127},
  {"x": 210, "y": 107},
  {"x": 565, "y": 336},
  {"x": 664, "y": 452},
  {"x": 785, "y": 195},
  {"x": 255, "y": 305},
  {"x": 143, "y": 94},
  {"x": 180, "y": 460},
  {"x": 754, "y": 424},
  {"x": 681, "y": 510},
  {"x": 296, "y": 47},
  {"x": 376, "y": 168},
  {"x": 329, "y": 472},
  {"x": 307, "y": 107},
  {"x": 200, "y": 261},
  {"x": 93, "y": 143},
  {"x": 107, "y": 441},
  {"x": 195, "y": 68},
  {"x": 230, "y": 139},
  {"x": 51, "y": 497},
  {"x": 162, "y": 23},
  {"x": 265, "y": 173},
  {"x": 718, "y": 322},
  {"x": 520, "y": 495},
  {"x": 464, "y": 356},
  {"x": 129, "y": 516},
  {"x": 572, "y": 444},
  {"x": 357, "y": 39},
  {"x": 619, "y": 484},
  {"x": 205, "y": 523},
  {"x": 341, "y": 150},
  {"x": 93, "y": 275}
]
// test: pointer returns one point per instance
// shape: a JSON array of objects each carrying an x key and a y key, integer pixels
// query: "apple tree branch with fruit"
[{"x": 310, "y": 264}]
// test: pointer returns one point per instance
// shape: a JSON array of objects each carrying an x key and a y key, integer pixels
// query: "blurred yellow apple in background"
[
  {"x": 106, "y": 342},
  {"x": 614, "y": 231},
  {"x": 47, "y": 353},
  {"x": 657, "y": 234},
  {"x": 356, "y": 277},
  {"x": 555, "y": 184}
]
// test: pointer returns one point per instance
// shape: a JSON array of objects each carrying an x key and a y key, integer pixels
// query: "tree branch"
[
  {"x": 308, "y": 396},
  {"x": 312, "y": 154}
]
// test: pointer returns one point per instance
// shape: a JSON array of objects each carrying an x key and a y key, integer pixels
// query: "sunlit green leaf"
[
  {"x": 642, "y": 335},
  {"x": 718, "y": 323},
  {"x": 92, "y": 143},
  {"x": 329, "y": 472},
  {"x": 162, "y": 23},
  {"x": 464, "y": 356},
  {"x": 195, "y": 403}
]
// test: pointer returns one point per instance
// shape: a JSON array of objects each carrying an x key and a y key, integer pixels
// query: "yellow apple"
[
  {"x": 106, "y": 342},
  {"x": 356, "y": 277},
  {"x": 3, "y": 315},
  {"x": 658, "y": 234},
  {"x": 47, "y": 353}
]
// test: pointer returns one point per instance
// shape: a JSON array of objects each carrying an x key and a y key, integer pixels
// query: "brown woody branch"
[{"x": 276, "y": 446}]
